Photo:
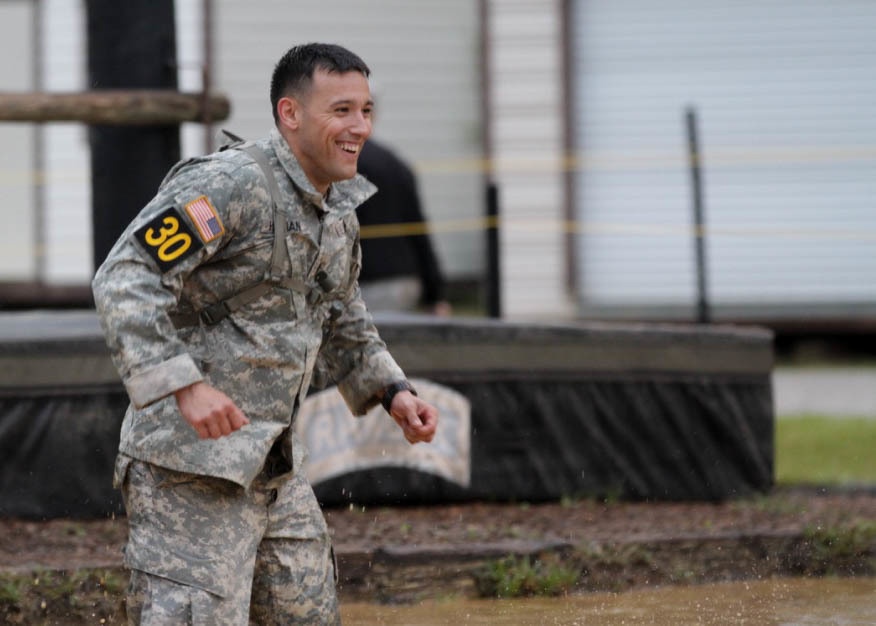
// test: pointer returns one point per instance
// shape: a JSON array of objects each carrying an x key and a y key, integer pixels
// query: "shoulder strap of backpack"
[
  {"x": 218, "y": 311},
  {"x": 280, "y": 252}
]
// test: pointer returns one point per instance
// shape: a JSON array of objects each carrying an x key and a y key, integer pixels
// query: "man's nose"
[{"x": 362, "y": 125}]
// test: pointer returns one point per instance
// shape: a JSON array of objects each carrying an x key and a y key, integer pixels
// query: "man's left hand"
[{"x": 417, "y": 419}]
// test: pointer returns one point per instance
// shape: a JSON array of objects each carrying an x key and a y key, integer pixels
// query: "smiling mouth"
[{"x": 351, "y": 148}]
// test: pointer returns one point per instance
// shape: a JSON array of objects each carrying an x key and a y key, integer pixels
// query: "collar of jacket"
[{"x": 343, "y": 196}]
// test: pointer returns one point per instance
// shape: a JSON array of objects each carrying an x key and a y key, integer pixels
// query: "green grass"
[
  {"x": 824, "y": 450},
  {"x": 515, "y": 577}
]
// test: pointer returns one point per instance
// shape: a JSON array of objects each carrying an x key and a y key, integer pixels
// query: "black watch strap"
[{"x": 390, "y": 390}]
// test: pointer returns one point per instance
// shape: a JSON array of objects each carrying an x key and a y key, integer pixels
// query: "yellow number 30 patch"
[
  {"x": 168, "y": 239},
  {"x": 170, "y": 242}
]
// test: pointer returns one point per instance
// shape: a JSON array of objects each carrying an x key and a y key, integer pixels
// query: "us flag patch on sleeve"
[{"x": 205, "y": 218}]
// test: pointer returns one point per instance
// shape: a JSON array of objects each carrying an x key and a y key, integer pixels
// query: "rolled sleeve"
[
  {"x": 359, "y": 389},
  {"x": 155, "y": 383}
]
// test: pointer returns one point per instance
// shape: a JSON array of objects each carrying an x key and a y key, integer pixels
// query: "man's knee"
[{"x": 295, "y": 583}]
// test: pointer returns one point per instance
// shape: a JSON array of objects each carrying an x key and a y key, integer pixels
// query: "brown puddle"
[{"x": 780, "y": 601}]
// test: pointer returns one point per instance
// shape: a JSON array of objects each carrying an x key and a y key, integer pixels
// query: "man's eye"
[{"x": 342, "y": 110}]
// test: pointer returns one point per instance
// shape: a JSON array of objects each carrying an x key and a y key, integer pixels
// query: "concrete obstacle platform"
[{"x": 535, "y": 412}]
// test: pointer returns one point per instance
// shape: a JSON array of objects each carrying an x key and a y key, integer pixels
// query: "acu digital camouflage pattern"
[
  {"x": 202, "y": 540},
  {"x": 262, "y": 356},
  {"x": 201, "y": 528}
]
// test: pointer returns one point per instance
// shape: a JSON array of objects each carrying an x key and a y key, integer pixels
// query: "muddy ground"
[{"x": 61, "y": 571}]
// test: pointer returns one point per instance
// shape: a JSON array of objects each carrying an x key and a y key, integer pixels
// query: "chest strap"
[
  {"x": 279, "y": 255},
  {"x": 218, "y": 311}
]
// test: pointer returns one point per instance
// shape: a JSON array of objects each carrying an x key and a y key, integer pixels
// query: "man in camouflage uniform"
[{"x": 219, "y": 302}]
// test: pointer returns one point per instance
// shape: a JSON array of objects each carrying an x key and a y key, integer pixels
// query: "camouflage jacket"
[{"x": 207, "y": 234}]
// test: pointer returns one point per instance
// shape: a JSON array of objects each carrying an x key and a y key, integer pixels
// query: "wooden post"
[{"x": 131, "y": 45}]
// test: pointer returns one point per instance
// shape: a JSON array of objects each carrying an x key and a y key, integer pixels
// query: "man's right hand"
[{"x": 209, "y": 411}]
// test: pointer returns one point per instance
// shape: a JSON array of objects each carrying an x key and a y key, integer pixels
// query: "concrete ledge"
[{"x": 44, "y": 349}]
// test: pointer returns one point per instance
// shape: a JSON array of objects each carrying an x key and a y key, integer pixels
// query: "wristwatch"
[{"x": 390, "y": 390}]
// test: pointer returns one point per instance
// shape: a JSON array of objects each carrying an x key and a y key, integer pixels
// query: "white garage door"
[{"x": 786, "y": 98}]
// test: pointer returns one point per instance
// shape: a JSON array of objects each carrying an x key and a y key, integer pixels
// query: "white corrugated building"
[
  {"x": 579, "y": 118},
  {"x": 785, "y": 97},
  {"x": 425, "y": 62}
]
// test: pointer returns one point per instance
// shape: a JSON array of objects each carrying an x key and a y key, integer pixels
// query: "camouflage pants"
[{"x": 204, "y": 551}]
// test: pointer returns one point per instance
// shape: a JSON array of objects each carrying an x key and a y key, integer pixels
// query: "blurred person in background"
[
  {"x": 231, "y": 291},
  {"x": 400, "y": 271}
]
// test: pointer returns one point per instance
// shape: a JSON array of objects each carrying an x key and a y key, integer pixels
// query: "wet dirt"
[{"x": 413, "y": 554}]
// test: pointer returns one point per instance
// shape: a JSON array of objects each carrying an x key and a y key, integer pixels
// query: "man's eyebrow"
[{"x": 349, "y": 101}]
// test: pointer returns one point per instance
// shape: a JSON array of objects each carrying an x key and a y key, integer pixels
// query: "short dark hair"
[{"x": 293, "y": 73}]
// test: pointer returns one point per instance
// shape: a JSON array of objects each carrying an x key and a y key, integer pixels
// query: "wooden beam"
[
  {"x": 114, "y": 107},
  {"x": 35, "y": 295}
]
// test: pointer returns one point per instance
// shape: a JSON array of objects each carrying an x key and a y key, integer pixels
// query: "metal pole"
[
  {"x": 207, "y": 72},
  {"x": 39, "y": 161},
  {"x": 694, "y": 160},
  {"x": 494, "y": 305}
]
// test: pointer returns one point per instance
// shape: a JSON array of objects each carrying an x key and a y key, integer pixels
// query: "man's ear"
[{"x": 289, "y": 113}]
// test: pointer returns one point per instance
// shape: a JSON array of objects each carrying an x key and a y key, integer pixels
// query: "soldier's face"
[{"x": 334, "y": 120}]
